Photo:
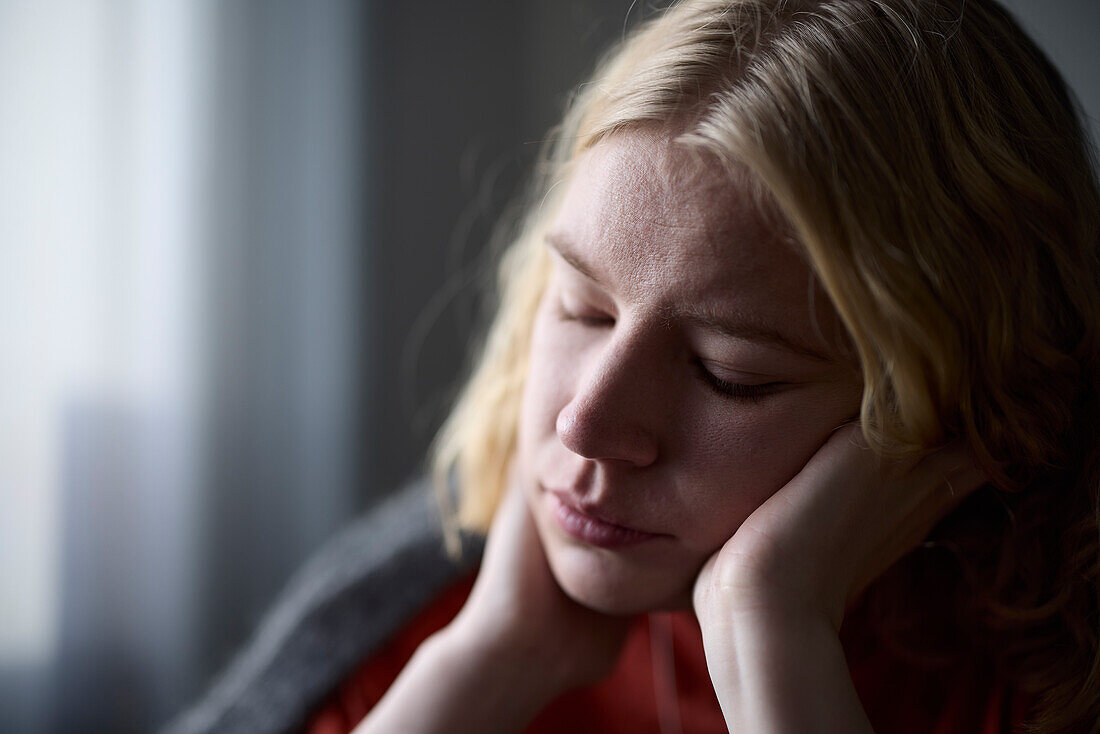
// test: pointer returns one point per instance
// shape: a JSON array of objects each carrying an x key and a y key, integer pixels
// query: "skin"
[{"x": 771, "y": 516}]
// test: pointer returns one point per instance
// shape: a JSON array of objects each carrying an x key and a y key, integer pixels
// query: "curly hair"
[{"x": 934, "y": 167}]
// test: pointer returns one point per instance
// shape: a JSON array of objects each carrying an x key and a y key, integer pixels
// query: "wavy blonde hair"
[{"x": 933, "y": 165}]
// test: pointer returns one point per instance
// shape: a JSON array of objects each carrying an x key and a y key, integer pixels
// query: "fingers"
[
  {"x": 513, "y": 527},
  {"x": 909, "y": 495},
  {"x": 953, "y": 462},
  {"x": 954, "y": 467}
]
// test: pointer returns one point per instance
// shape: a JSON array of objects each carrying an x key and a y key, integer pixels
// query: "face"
[{"x": 676, "y": 376}]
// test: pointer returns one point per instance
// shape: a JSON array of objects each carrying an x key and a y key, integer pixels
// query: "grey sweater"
[{"x": 341, "y": 606}]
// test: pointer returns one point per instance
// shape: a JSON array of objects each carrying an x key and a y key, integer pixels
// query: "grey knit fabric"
[{"x": 346, "y": 601}]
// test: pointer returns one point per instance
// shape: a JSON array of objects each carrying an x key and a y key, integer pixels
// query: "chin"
[{"x": 600, "y": 581}]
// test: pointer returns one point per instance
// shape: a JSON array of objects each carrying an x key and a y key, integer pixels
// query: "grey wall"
[{"x": 1069, "y": 31}]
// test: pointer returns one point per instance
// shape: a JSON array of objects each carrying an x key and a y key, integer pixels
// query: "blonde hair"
[{"x": 933, "y": 165}]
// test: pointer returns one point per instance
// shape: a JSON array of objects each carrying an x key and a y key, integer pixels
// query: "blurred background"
[{"x": 241, "y": 243}]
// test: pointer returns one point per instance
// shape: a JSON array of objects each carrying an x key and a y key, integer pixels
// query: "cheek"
[
  {"x": 726, "y": 469},
  {"x": 732, "y": 463},
  {"x": 547, "y": 385}
]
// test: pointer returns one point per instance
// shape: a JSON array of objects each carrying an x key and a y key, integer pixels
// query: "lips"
[{"x": 590, "y": 526}]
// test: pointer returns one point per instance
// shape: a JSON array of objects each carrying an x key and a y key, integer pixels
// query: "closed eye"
[
  {"x": 734, "y": 390},
  {"x": 752, "y": 393},
  {"x": 588, "y": 318}
]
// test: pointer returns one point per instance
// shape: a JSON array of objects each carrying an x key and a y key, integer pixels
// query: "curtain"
[{"x": 179, "y": 268}]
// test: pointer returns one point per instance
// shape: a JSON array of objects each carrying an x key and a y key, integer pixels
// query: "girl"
[{"x": 800, "y": 343}]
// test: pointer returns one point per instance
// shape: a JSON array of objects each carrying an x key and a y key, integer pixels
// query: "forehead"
[{"x": 665, "y": 223}]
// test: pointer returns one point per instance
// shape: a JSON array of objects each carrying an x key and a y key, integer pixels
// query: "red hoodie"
[{"x": 634, "y": 698}]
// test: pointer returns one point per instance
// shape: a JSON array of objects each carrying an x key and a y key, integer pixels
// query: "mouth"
[{"x": 591, "y": 530}]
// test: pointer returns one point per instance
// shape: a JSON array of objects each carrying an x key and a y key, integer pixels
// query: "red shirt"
[{"x": 634, "y": 698}]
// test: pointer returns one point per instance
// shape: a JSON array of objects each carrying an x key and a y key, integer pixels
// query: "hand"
[
  {"x": 517, "y": 643},
  {"x": 518, "y": 610},
  {"x": 836, "y": 526}
]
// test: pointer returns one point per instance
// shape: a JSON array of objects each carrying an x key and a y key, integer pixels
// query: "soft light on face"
[{"x": 676, "y": 376}]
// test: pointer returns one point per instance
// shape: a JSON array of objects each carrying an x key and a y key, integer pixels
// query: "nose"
[{"x": 612, "y": 414}]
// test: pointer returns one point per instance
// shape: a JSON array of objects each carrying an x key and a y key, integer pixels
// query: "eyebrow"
[
  {"x": 699, "y": 316},
  {"x": 562, "y": 246},
  {"x": 753, "y": 332}
]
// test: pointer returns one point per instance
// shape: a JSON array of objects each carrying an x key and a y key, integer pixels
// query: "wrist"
[
  {"x": 761, "y": 659},
  {"x": 501, "y": 655},
  {"x": 732, "y": 624},
  {"x": 755, "y": 599},
  {"x": 459, "y": 684}
]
